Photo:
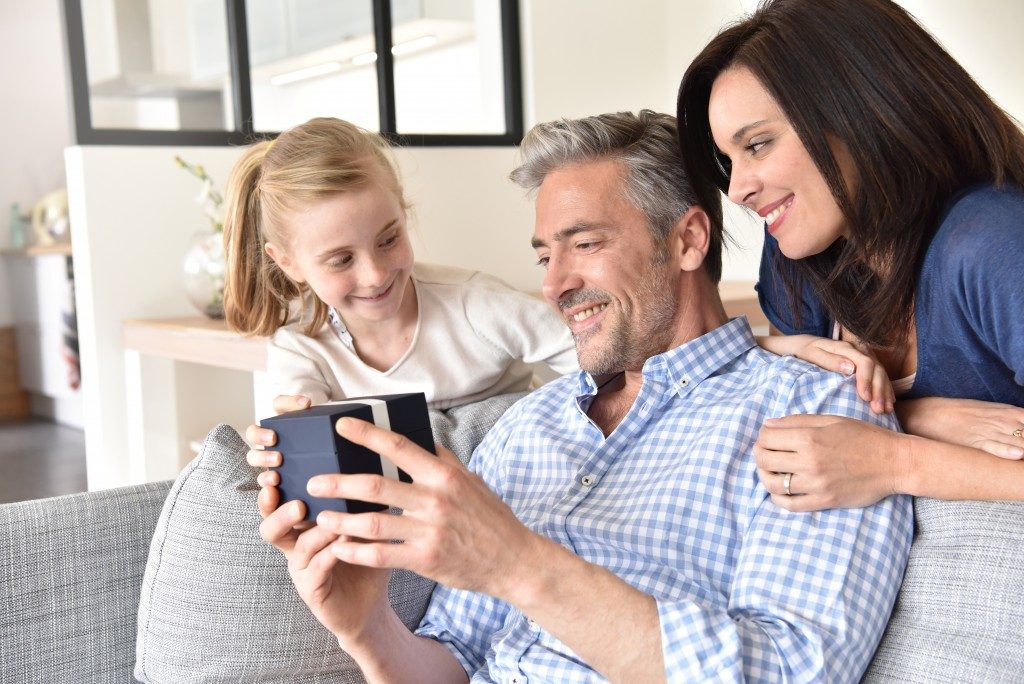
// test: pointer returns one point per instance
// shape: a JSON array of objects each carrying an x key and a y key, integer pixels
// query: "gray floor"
[{"x": 39, "y": 459}]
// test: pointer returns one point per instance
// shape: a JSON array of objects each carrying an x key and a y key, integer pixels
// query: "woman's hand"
[
  {"x": 840, "y": 357},
  {"x": 349, "y": 600},
  {"x": 260, "y": 457},
  {"x": 995, "y": 428},
  {"x": 834, "y": 462}
]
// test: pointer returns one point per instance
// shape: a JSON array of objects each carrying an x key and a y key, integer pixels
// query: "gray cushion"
[
  {"x": 70, "y": 569},
  {"x": 217, "y": 604},
  {"x": 959, "y": 615}
]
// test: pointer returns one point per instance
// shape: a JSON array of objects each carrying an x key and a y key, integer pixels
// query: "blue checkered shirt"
[{"x": 672, "y": 504}]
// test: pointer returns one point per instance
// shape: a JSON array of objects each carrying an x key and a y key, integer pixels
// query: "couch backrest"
[{"x": 70, "y": 572}]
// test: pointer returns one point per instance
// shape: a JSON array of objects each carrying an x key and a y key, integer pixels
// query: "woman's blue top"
[{"x": 969, "y": 300}]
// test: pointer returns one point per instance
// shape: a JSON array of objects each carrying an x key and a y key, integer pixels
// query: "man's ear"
[
  {"x": 690, "y": 237},
  {"x": 284, "y": 262}
]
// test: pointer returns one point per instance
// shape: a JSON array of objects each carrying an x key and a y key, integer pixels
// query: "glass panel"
[
  {"x": 312, "y": 58},
  {"x": 158, "y": 65},
  {"x": 448, "y": 66}
]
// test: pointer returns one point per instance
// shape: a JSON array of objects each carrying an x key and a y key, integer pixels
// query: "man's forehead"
[{"x": 582, "y": 195}]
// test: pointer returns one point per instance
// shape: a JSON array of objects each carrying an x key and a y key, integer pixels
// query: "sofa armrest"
[{"x": 70, "y": 574}]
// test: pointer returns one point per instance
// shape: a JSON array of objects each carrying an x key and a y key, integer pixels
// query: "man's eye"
[
  {"x": 543, "y": 262},
  {"x": 586, "y": 245}
]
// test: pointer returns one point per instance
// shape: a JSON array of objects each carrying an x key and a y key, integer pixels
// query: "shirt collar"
[
  {"x": 337, "y": 324},
  {"x": 690, "y": 363}
]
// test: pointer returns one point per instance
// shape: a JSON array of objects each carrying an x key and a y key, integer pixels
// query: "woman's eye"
[{"x": 756, "y": 146}]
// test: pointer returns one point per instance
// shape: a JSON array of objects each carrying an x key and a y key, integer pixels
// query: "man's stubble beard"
[{"x": 628, "y": 347}]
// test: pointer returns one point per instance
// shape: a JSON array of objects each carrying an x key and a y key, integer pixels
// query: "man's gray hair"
[{"x": 647, "y": 145}]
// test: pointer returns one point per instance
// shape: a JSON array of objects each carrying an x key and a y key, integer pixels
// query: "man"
[{"x": 613, "y": 521}]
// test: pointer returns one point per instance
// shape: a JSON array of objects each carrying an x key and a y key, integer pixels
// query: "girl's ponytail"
[{"x": 256, "y": 291}]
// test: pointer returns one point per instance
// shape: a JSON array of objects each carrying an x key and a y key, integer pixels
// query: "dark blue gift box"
[{"x": 310, "y": 445}]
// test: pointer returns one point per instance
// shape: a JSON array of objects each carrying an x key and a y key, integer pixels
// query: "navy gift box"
[{"x": 309, "y": 445}]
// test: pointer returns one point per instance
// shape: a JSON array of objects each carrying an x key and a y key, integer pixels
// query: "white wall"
[{"x": 33, "y": 113}]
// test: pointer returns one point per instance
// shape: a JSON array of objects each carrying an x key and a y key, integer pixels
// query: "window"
[{"x": 221, "y": 72}]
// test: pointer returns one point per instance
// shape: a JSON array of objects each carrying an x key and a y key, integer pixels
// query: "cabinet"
[{"x": 39, "y": 291}]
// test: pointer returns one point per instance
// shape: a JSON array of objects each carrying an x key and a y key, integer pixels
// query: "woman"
[{"x": 890, "y": 185}]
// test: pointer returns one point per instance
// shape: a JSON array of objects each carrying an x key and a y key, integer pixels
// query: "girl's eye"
[
  {"x": 340, "y": 262},
  {"x": 390, "y": 241}
]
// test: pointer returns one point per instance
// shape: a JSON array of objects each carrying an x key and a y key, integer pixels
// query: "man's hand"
[
  {"x": 350, "y": 601},
  {"x": 834, "y": 462},
  {"x": 261, "y": 438},
  {"x": 995, "y": 428},
  {"x": 454, "y": 529}
]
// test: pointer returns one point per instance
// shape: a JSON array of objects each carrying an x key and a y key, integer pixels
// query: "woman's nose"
[{"x": 743, "y": 185}]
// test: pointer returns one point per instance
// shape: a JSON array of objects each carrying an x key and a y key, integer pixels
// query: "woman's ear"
[
  {"x": 690, "y": 238},
  {"x": 284, "y": 262}
]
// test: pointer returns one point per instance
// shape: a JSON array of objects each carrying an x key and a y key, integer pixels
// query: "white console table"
[
  {"x": 164, "y": 358},
  {"x": 161, "y": 354}
]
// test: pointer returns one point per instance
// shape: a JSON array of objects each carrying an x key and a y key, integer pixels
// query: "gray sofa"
[{"x": 217, "y": 604}]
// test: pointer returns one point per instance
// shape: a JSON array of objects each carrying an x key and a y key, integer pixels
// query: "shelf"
[{"x": 38, "y": 250}]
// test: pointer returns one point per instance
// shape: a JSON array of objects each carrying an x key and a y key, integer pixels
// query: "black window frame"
[{"x": 238, "y": 57}]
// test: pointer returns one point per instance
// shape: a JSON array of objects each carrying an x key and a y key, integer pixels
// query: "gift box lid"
[{"x": 312, "y": 429}]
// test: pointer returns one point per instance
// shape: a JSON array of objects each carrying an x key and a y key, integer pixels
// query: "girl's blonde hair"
[{"x": 275, "y": 179}]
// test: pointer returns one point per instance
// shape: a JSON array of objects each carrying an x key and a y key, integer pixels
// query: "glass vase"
[{"x": 204, "y": 273}]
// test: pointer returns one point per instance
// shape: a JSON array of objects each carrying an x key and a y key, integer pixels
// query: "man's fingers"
[
  {"x": 276, "y": 528},
  {"x": 402, "y": 452},
  {"x": 259, "y": 458},
  {"x": 381, "y": 526},
  {"x": 309, "y": 544},
  {"x": 287, "y": 402},
  {"x": 260, "y": 436},
  {"x": 269, "y": 478},
  {"x": 371, "y": 488}
]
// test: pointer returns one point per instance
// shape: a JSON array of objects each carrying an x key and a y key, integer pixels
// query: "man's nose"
[
  {"x": 743, "y": 185},
  {"x": 559, "y": 278}
]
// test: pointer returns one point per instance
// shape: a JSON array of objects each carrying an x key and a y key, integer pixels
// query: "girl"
[
  {"x": 319, "y": 259},
  {"x": 890, "y": 185}
]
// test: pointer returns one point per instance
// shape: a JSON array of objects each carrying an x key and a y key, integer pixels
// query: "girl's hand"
[
  {"x": 995, "y": 428},
  {"x": 840, "y": 357},
  {"x": 259, "y": 457},
  {"x": 349, "y": 600},
  {"x": 834, "y": 462}
]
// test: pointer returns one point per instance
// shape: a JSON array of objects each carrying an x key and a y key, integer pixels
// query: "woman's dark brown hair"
[{"x": 917, "y": 126}]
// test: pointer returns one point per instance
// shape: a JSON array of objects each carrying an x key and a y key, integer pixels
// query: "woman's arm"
[
  {"x": 836, "y": 462},
  {"x": 989, "y": 426}
]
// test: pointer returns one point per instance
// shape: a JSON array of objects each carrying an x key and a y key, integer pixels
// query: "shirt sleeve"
[
  {"x": 519, "y": 324},
  {"x": 775, "y": 301},
  {"x": 812, "y": 591},
  {"x": 466, "y": 622},
  {"x": 293, "y": 371}
]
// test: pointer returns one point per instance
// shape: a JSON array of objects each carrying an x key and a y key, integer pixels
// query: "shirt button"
[
  {"x": 532, "y": 623},
  {"x": 515, "y": 680},
  {"x": 683, "y": 382},
  {"x": 588, "y": 480}
]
